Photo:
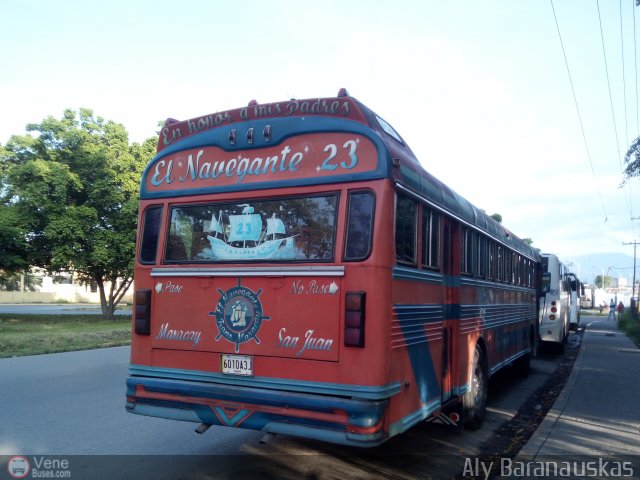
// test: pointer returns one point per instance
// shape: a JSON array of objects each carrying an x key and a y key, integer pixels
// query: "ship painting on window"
[{"x": 245, "y": 237}]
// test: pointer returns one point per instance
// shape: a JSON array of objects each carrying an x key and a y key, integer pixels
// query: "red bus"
[{"x": 299, "y": 272}]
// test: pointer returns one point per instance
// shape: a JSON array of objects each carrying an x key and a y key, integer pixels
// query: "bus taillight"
[
  {"x": 143, "y": 312},
  {"x": 354, "y": 319}
]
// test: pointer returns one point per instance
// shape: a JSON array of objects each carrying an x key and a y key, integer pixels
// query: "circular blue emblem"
[{"x": 239, "y": 315}]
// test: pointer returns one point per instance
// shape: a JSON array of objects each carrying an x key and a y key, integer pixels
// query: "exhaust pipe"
[
  {"x": 267, "y": 437},
  {"x": 202, "y": 428}
]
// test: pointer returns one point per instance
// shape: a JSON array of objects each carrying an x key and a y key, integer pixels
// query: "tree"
[
  {"x": 632, "y": 160},
  {"x": 13, "y": 246},
  {"x": 73, "y": 185},
  {"x": 602, "y": 284},
  {"x": 497, "y": 217}
]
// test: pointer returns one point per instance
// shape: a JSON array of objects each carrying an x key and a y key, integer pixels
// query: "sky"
[{"x": 479, "y": 90}]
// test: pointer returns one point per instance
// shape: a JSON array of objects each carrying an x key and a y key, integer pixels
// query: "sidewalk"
[{"x": 598, "y": 412}]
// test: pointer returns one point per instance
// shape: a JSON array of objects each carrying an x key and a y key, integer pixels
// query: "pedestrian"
[
  {"x": 612, "y": 310},
  {"x": 620, "y": 309}
]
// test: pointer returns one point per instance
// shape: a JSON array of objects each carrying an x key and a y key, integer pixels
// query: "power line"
[
  {"x": 635, "y": 57},
  {"x": 624, "y": 83},
  {"x": 575, "y": 100},
  {"x": 613, "y": 116},
  {"x": 606, "y": 71}
]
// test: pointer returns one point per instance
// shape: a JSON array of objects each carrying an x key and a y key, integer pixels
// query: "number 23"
[{"x": 351, "y": 145}]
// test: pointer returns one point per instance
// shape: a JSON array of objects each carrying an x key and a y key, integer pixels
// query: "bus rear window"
[
  {"x": 284, "y": 229},
  {"x": 150, "y": 231},
  {"x": 359, "y": 226}
]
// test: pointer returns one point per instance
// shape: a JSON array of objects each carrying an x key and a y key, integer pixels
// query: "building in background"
[{"x": 36, "y": 286}]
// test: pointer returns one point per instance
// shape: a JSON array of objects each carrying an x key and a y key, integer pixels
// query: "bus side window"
[
  {"x": 150, "y": 234},
  {"x": 359, "y": 226},
  {"x": 406, "y": 224},
  {"x": 430, "y": 239}
]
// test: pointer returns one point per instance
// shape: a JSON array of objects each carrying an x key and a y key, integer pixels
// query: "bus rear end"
[{"x": 256, "y": 274}]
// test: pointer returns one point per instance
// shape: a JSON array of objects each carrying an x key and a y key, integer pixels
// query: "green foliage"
[
  {"x": 630, "y": 324},
  {"x": 632, "y": 160},
  {"x": 72, "y": 185},
  {"x": 602, "y": 281},
  {"x": 13, "y": 246},
  {"x": 497, "y": 217}
]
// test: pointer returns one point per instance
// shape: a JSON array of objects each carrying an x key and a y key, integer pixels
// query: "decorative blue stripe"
[
  {"x": 425, "y": 276},
  {"x": 326, "y": 435},
  {"x": 407, "y": 422},
  {"x": 420, "y": 313},
  {"x": 322, "y": 388},
  {"x": 234, "y": 419},
  {"x": 477, "y": 282},
  {"x": 498, "y": 315},
  {"x": 461, "y": 389},
  {"x": 362, "y": 413},
  {"x": 406, "y": 273},
  {"x": 428, "y": 276},
  {"x": 188, "y": 405},
  {"x": 282, "y": 128},
  {"x": 413, "y": 321},
  {"x": 507, "y": 361}
]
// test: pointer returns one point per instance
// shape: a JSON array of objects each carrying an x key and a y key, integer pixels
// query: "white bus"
[
  {"x": 575, "y": 299},
  {"x": 554, "y": 303},
  {"x": 587, "y": 298}
]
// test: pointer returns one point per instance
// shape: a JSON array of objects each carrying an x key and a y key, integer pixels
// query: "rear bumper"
[
  {"x": 552, "y": 331},
  {"x": 330, "y": 418}
]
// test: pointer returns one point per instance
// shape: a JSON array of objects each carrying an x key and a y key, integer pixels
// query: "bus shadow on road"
[{"x": 515, "y": 408}]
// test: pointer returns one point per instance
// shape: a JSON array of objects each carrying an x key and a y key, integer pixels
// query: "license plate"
[{"x": 236, "y": 364}]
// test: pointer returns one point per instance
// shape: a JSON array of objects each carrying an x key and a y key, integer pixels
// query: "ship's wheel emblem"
[{"x": 239, "y": 315}]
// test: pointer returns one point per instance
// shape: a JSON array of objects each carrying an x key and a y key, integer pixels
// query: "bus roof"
[{"x": 258, "y": 126}]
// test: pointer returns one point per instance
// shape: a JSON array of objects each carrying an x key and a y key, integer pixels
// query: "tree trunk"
[
  {"x": 109, "y": 302},
  {"x": 107, "y": 312}
]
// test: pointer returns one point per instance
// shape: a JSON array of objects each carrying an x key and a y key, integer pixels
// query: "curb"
[{"x": 541, "y": 435}]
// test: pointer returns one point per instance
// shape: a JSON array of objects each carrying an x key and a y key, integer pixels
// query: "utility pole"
[{"x": 634, "y": 306}]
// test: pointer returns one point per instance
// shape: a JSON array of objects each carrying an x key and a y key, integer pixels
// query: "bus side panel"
[
  {"x": 474, "y": 301},
  {"x": 416, "y": 346},
  {"x": 502, "y": 318}
]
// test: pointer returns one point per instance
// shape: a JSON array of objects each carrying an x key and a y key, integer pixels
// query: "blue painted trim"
[
  {"x": 158, "y": 411},
  {"x": 425, "y": 276},
  {"x": 461, "y": 389},
  {"x": 188, "y": 405},
  {"x": 412, "y": 320},
  {"x": 282, "y": 128},
  {"x": 509, "y": 360},
  {"x": 498, "y": 315},
  {"x": 410, "y": 420},
  {"x": 421, "y": 314},
  {"x": 478, "y": 282},
  {"x": 325, "y": 435},
  {"x": 362, "y": 413},
  {"x": 407, "y": 273},
  {"x": 321, "y": 388},
  {"x": 428, "y": 276}
]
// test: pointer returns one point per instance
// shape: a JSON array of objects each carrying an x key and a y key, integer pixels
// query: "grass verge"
[
  {"x": 35, "y": 334},
  {"x": 630, "y": 326}
]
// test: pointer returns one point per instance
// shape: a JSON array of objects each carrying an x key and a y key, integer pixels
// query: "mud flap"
[{"x": 450, "y": 415}]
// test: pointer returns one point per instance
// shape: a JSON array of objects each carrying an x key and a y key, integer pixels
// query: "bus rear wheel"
[{"x": 474, "y": 401}]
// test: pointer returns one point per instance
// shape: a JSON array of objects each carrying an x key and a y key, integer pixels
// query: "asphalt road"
[{"x": 72, "y": 405}]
